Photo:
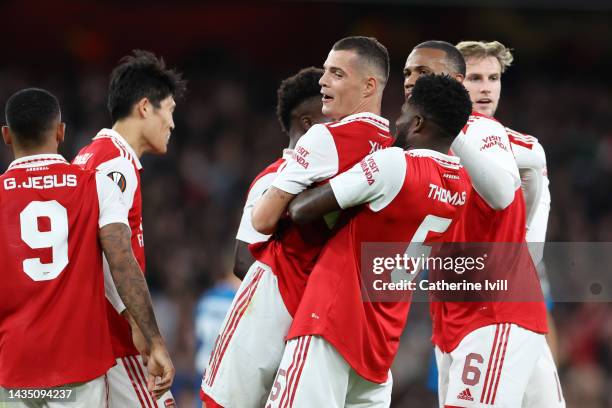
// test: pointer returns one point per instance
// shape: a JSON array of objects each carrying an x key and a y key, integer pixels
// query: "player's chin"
[{"x": 162, "y": 148}]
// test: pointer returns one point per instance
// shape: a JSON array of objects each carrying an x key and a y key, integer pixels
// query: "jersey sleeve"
[
  {"x": 246, "y": 232},
  {"x": 314, "y": 159},
  {"x": 377, "y": 179},
  {"x": 534, "y": 182},
  {"x": 112, "y": 206},
  {"x": 110, "y": 290},
  {"x": 122, "y": 171},
  {"x": 112, "y": 210},
  {"x": 485, "y": 153}
]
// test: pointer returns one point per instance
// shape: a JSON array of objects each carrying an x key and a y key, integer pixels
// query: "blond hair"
[{"x": 483, "y": 49}]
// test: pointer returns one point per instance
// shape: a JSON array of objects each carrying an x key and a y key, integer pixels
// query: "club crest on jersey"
[{"x": 118, "y": 179}]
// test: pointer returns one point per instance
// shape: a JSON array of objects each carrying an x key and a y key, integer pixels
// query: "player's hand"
[{"x": 160, "y": 368}]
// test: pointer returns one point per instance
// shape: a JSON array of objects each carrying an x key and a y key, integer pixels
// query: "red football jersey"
[
  {"x": 324, "y": 151},
  {"x": 111, "y": 155},
  {"x": 481, "y": 223},
  {"x": 261, "y": 182},
  {"x": 412, "y": 197},
  {"x": 53, "y": 327}
]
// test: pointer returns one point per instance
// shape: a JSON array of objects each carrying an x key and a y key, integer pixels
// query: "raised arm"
[
  {"x": 314, "y": 159},
  {"x": 375, "y": 180},
  {"x": 485, "y": 153},
  {"x": 313, "y": 204}
]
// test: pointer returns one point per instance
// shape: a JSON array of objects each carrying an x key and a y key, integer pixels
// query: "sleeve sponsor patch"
[
  {"x": 118, "y": 179},
  {"x": 491, "y": 141}
]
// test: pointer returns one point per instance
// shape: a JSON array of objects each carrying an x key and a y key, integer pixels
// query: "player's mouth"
[
  {"x": 407, "y": 93},
  {"x": 484, "y": 101},
  {"x": 326, "y": 98}
]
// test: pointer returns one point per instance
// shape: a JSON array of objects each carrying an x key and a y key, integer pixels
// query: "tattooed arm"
[{"x": 132, "y": 287}]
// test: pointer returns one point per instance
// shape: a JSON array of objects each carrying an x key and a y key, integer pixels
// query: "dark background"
[{"x": 234, "y": 56}]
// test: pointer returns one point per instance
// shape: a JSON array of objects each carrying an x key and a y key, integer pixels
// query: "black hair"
[
  {"x": 30, "y": 113},
  {"x": 443, "y": 100},
  {"x": 453, "y": 55},
  {"x": 141, "y": 75},
  {"x": 368, "y": 48},
  {"x": 295, "y": 90}
]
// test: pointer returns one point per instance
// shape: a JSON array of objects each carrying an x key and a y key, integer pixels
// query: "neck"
[
  {"x": 434, "y": 143},
  {"x": 19, "y": 152},
  {"x": 130, "y": 131},
  {"x": 372, "y": 105}
]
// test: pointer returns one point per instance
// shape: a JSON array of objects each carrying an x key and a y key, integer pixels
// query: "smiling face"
[
  {"x": 483, "y": 82},
  {"x": 158, "y": 125},
  {"x": 342, "y": 84}
]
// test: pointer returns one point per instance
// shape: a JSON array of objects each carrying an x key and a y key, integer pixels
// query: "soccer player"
[
  {"x": 141, "y": 103},
  {"x": 486, "y": 351},
  {"x": 298, "y": 109},
  {"x": 485, "y": 64},
  {"x": 55, "y": 221},
  {"x": 340, "y": 347},
  {"x": 251, "y": 343}
]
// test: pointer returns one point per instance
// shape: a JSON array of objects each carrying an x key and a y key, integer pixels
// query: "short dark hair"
[
  {"x": 30, "y": 113},
  {"x": 453, "y": 55},
  {"x": 295, "y": 90},
  {"x": 368, "y": 48},
  {"x": 141, "y": 75},
  {"x": 444, "y": 100}
]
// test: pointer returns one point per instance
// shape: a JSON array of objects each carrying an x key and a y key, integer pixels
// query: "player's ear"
[
  {"x": 143, "y": 108},
  {"x": 458, "y": 77},
  {"x": 418, "y": 123},
  {"x": 61, "y": 132},
  {"x": 371, "y": 86},
  {"x": 6, "y": 135},
  {"x": 306, "y": 122}
]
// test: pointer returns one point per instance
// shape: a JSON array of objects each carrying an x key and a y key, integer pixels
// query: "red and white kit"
[
  {"x": 471, "y": 358},
  {"x": 250, "y": 346},
  {"x": 112, "y": 156},
  {"x": 53, "y": 326},
  {"x": 261, "y": 182},
  {"x": 246, "y": 232},
  {"x": 543, "y": 388},
  {"x": 411, "y": 197},
  {"x": 531, "y": 162}
]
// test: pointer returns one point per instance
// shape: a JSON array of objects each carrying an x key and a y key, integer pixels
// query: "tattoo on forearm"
[{"x": 128, "y": 278}]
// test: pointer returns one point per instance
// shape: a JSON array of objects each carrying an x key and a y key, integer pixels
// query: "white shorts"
[
  {"x": 544, "y": 388},
  {"x": 86, "y": 395},
  {"x": 127, "y": 386},
  {"x": 313, "y": 374},
  {"x": 491, "y": 367},
  {"x": 250, "y": 345}
]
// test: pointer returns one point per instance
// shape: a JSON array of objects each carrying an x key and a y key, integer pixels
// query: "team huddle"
[{"x": 301, "y": 331}]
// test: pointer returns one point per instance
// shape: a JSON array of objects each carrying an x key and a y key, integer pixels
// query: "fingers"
[{"x": 159, "y": 385}]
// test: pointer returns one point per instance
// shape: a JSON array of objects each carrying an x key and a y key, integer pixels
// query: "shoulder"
[
  {"x": 98, "y": 151},
  {"x": 478, "y": 123},
  {"x": 267, "y": 175},
  {"x": 523, "y": 139}
]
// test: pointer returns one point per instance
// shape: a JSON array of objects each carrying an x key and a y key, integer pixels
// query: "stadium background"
[{"x": 235, "y": 54}]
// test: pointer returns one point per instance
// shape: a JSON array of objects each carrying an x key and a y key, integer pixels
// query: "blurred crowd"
[{"x": 227, "y": 131}]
